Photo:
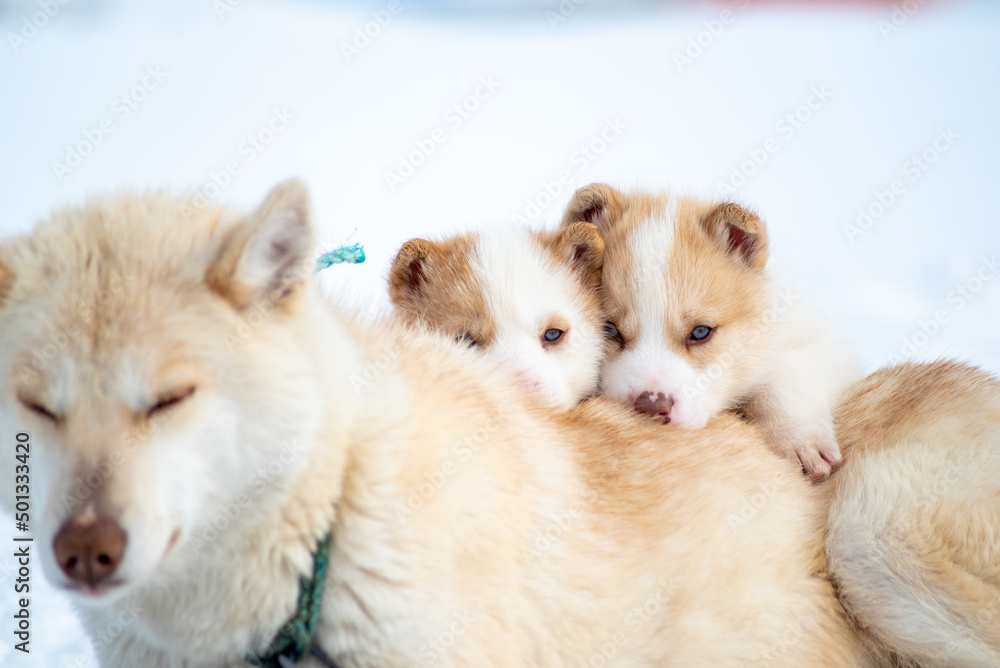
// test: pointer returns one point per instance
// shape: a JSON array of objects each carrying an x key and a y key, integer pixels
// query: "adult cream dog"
[{"x": 211, "y": 447}]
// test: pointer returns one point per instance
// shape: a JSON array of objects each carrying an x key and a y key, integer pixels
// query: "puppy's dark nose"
[
  {"x": 661, "y": 405},
  {"x": 89, "y": 549}
]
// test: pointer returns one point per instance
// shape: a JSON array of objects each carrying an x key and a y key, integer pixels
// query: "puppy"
[
  {"x": 700, "y": 325},
  {"x": 526, "y": 299}
]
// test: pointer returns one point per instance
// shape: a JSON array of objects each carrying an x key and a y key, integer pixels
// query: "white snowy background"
[{"x": 681, "y": 96}]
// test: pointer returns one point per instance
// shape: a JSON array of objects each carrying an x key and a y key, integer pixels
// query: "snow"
[{"x": 918, "y": 282}]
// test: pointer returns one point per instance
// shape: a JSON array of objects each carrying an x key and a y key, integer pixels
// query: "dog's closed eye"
[
  {"x": 37, "y": 408},
  {"x": 168, "y": 400}
]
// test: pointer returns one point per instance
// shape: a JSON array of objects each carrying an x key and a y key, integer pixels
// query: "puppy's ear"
[
  {"x": 597, "y": 203},
  {"x": 410, "y": 269},
  {"x": 740, "y": 233},
  {"x": 582, "y": 246},
  {"x": 270, "y": 253}
]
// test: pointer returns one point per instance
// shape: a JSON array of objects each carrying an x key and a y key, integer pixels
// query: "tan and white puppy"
[
  {"x": 525, "y": 299},
  {"x": 702, "y": 326}
]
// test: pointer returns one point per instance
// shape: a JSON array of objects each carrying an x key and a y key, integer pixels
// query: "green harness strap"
[{"x": 294, "y": 640}]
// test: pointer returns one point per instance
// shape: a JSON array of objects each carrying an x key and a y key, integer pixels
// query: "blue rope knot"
[{"x": 353, "y": 254}]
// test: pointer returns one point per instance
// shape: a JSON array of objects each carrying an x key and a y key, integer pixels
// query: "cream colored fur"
[
  {"x": 472, "y": 526},
  {"x": 914, "y": 535}
]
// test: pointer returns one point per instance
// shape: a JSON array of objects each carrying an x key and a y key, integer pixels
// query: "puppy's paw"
[{"x": 819, "y": 455}]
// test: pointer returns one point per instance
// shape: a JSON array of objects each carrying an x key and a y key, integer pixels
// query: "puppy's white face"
[
  {"x": 685, "y": 294},
  {"x": 544, "y": 325},
  {"x": 512, "y": 295}
]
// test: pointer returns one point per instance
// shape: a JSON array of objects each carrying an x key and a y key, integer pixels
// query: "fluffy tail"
[
  {"x": 896, "y": 595},
  {"x": 913, "y": 537}
]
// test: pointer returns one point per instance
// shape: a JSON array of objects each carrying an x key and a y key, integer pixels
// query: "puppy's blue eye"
[
  {"x": 466, "y": 339},
  {"x": 700, "y": 333},
  {"x": 552, "y": 335},
  {"x": 611, "y": 331}
]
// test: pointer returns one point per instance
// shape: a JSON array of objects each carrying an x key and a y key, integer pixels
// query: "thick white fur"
[{"x": 526, "y": 290}]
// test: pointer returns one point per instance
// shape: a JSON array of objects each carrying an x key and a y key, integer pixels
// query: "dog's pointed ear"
[
  {"x": 582, "y": 247},
  {"x": 410, "y": 270},
  {"x": 740, "y": 233},
  {"x": 271, "y": 252},
  {"x": 597, "y": 203}
]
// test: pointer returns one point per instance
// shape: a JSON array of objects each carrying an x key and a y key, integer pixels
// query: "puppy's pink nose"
[
  {"x": 660, "y": 405},
  {"x": 528, "y": 382},
  {"x": 89, "y": 550}
]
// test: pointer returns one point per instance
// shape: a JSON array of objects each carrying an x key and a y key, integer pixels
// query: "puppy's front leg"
[{"x": 798, "y": 425}]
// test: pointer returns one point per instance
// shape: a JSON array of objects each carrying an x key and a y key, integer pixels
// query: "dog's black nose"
[
  {"x": 661, "y": 405},
  {"x": 89, "y": 549}
]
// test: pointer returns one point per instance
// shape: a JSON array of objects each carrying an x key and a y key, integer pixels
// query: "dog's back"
[{"x": 596, "y": 536}]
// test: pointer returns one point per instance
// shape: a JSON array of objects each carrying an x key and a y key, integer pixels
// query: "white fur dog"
[
  {"x": 525, "y": 299},
  {"x": 702, "y": 326}
]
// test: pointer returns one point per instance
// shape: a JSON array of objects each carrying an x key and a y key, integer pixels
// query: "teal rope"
[
  {"x": 354, "y": 254},
  {"x": 294, "y": 640}
]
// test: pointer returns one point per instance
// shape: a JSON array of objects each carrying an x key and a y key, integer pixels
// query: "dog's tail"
[{"x": 913, "y": 539}]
